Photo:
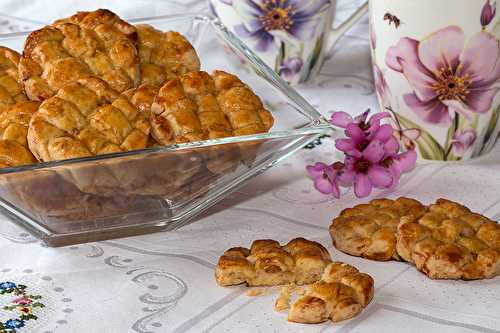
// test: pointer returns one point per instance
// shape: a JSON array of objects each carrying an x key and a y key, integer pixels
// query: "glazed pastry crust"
[
  {"x": 87, "y": 43},
  {"x": 341, "y": 294},
  {"x": 164, "y": 55},
  {"x": 15, "y": 113},
  {"x": 451, "y": 242},
  {"x": 267, "y": 263},
  {"x": 86, "y": 118},
  {"x": 369, "y": 230},
  {"x": 14, "y": 123},
  {"x": 197, "y": 106},
  {"x": 11, "y": 91}
]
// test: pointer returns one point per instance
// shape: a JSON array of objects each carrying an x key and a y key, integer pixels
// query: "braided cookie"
[
  {"x": 86, "y": 118},
  {"x": 369, "y": 230},
  {"x": 88, "y": 43},
  {"x": 197, "y": 106},
  {"x": 451, "y": 242},
  {"x": 15, "y": 113},
  {"x": 164, "y": 55},
  {"x": 341, "y": 294},
  {"x": 267, "y": 263}
]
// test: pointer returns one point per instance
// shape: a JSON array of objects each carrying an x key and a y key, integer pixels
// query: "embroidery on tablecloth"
[{"x": 23, "y": 304}]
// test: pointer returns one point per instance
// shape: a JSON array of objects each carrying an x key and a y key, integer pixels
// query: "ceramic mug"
[
  {"x": 437, "y": 70},
  {"x": 292, "y": 36}
]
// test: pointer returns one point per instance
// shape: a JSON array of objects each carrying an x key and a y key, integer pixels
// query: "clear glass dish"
[{"x": 117, "y": 195}]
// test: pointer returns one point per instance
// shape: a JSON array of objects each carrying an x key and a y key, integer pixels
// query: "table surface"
[{"x": 164, "y": 282}]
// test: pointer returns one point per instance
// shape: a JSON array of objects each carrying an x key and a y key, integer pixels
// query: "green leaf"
[
  {"x": 428, "y": 147},
  {"x": 314, "y": 58},
  {"x": 459, "y": 122},
  {"x": 492, "y": 125}
]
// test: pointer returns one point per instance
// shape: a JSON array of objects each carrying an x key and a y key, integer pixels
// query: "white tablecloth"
[{"x": 164, "y": 282}]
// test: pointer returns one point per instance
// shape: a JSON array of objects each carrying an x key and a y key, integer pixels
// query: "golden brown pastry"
[
  {"x": 15, "y": 113},
  {"x": 11, "y": 91},
  {"x": 87, "y": 43},
  {"x": 451, "y": 242},
  {"x": 164, "y": 55},
  {"x": 267, "y": 263},
  {"x": 341, "y": 294},
  {"x": 142, "y": 97},
  {"x": 14, "y": 123},
  {"x": 197, "y": 106},
  {"x": 369, "y": 230},
  {"x": 86, "y": 118}
]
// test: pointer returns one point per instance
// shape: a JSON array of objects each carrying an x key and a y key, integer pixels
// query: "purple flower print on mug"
[
  {"x": 290, "y": 68},
  {"x": 488, "y": 13},
  {"x": 447, "y": 74},
  {"x": 381, "y": 87},
  {"x": 463, "y": 140},
  {"x": 264, "y": 17},
  {"x": 373, "y": 37}
]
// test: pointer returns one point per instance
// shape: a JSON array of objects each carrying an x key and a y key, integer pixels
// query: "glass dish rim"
[{"x": 317, "y": 125}]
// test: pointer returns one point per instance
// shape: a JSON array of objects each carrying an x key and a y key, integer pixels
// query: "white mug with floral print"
[
  {"x": 437, "y": 70},
  {"x": 292, "y": 36}
]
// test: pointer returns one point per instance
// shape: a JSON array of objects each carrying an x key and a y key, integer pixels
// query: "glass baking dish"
[{"x": 137, "y": 192}]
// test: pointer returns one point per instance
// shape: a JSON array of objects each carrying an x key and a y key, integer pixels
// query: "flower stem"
[
  {"x": 281, "y": 58},
  {"x": 456, "y": 121}
]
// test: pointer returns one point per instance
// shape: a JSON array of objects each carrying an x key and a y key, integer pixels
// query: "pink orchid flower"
[
  {"x": 488, "y": 13},
  {"x": 361, "y": 132},
  {"x": 399, "y": 164},
  {"x": 365, "y": 171},
  {"x": 360, "y": 125},
  {"x": 326, "y": 178},
  {"x": 447, "y": 74},
  {"x": 463, "y": 140}
]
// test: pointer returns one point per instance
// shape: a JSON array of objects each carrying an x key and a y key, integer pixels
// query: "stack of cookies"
[
  {"x": 444, "y": 240},
  {"x": 93, "y": 84},
  {"x": 97, "y": 85}
]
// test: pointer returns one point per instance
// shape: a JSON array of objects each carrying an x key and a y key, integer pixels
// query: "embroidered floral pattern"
[
  {"x": 23, "y": 304},
  {"x": 317, "y": 142}
]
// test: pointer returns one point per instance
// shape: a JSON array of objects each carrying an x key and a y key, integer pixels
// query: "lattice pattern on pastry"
[
  {"x": 164, "y": 55},
  {"x": 369, "y": 230},
  {"x": 451, "y": 242},
  {"x": 86, "y": 118},
  {"x": 87, "y": 43},
  {"x": 15, "y": 113},
  {"x": 267, "y": 263},
  {"x": 197, "y": 106},
  {"x": 341, "y": 294}
]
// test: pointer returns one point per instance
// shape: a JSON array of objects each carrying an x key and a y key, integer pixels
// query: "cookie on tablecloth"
[
  {"x": 451, "y": 242},
  {"x": 369, "y": 230},
  {"x": 341, "y": 294},
  {"x": 267, "y": 263}
]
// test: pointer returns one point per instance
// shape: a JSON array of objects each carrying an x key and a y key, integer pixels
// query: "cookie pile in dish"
[
  {"x": 334, "y": 291},
  {"x": 445, "y": 240},
  {"x": 93, "y": 84}
]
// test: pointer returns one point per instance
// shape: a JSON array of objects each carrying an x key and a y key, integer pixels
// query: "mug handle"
[{"x": 339, "y": 31}]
